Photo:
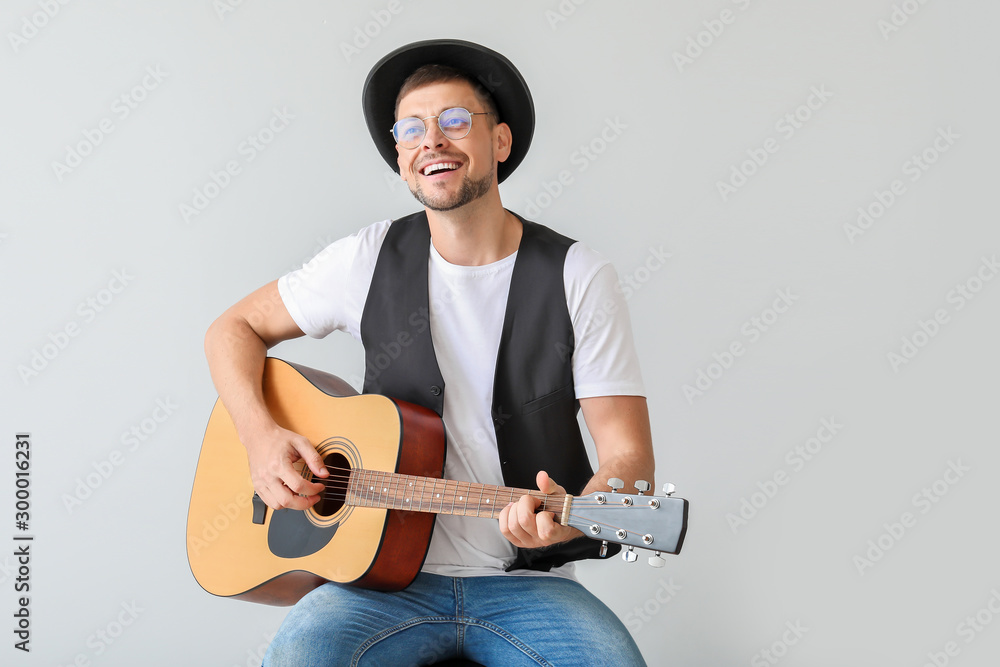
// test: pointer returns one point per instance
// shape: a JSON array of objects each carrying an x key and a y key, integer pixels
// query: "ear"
[{"x": 502, "y": 141}]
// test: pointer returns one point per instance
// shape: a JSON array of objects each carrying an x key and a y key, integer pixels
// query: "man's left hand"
[{"x": 525, "y": 528}]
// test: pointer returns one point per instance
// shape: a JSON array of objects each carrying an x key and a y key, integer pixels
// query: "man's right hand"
[{"x": 272, "y": 453}]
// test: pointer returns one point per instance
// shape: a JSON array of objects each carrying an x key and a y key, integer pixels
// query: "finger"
[
  {"x": 544, "y": 526},
  {"x": 504, "y": 522},
  {"x": 546, "y": 484},
  {"x": 279, "y": 496},
  {"x": 542, "y": 481},
  {"x": 512, "y": 528},
  {"x": 311, "y": 457},
  {"x": 299, "y": 485},
  {"x": 549, "y": 530},
  {"x": 525, "y": 518}
]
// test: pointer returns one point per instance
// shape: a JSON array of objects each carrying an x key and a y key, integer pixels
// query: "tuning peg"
[
  {"x": 668, "y": 489},
  {"x": 629, "y": 555},
  {"x": 604, "y": 548},
  {"x": 656, "y": 561},
  {"x": 642, "y": 486},
  {"x": 615, "y": 484}
]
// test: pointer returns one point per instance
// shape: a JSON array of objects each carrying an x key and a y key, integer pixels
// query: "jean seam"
[
  {"x": 388, "y": 632},
  {"x": 459, "y": 613},
  {"x": 511, "y": 639}
]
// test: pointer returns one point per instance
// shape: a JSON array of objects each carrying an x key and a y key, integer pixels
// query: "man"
[{"x": 507, "y": 329}]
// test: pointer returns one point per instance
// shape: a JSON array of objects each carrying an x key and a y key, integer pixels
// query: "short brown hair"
[{"x": 428, "y": 74}]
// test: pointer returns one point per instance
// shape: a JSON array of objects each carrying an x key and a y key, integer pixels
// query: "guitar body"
[{"x": 287, "y": 553}]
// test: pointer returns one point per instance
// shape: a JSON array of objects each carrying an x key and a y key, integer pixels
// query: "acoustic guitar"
[{"x": 373, "y": 523}]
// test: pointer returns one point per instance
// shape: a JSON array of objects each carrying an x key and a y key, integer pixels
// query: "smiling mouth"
[{"x": 439, "y": 167}]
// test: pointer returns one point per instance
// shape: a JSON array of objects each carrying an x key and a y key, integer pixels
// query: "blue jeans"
[{"x": 504, "y": 620}]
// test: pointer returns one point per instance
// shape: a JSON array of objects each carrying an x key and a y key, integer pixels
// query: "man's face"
[{"x": 473, "y": 157}]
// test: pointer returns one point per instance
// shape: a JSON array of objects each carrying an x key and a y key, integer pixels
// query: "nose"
[{"x": 433, "y": 136}]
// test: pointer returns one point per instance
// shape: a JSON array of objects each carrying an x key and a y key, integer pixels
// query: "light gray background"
[{"x": 732, "y": 592}]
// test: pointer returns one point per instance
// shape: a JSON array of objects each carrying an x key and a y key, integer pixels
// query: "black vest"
[{"x": 534, "y": 403}]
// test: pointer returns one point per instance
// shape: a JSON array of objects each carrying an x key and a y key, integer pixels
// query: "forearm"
[
  {"x": 622, "y": 435},
  {"x": 235, "y": 355},
  {"x": 236, "y": 345}
]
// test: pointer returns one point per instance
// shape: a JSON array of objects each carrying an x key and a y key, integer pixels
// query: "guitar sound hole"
[{"x": 336, "y": 485}]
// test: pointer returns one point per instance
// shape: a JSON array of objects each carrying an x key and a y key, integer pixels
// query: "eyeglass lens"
[{"x": 454, "y": 123}]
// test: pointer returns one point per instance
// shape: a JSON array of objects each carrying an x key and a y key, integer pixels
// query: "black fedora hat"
[{"x": 497, "y": 75}]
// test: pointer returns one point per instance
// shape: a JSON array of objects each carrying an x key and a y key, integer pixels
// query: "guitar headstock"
[{"x": 657, "y": 523}]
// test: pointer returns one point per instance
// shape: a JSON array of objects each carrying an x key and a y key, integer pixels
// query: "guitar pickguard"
[
  {"x": 292, "y": 535},
  {"x": 298, "y": 533}
]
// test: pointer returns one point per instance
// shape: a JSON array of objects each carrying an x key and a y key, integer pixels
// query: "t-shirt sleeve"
[
  {"x": 604, "y": 359},
  {"x": 328, "y": 293}
]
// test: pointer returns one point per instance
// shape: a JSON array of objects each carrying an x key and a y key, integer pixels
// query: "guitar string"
[
  {"x": 482, "y": 511},
  {"x": 398, "y": 481},
  {"x": 339, "y": 492},
  {"x": 421, "y": 504},
  {"x": 492, "y": 509}
]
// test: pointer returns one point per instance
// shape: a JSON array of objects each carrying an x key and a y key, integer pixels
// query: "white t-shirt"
[{"x": 466, "y": 313}]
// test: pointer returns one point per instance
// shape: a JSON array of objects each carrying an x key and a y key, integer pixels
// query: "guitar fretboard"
[{"x": 370, "y": 488}]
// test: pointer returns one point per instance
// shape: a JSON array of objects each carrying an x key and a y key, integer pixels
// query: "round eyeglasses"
[{"x": 455, "y": 123}]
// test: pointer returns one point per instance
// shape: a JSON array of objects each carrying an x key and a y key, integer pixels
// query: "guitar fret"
[
  {"x": 399, "y": 489},
  {"x": 388, "y": 490},
  {"x": 362, "y": 485},
  {"x": 411, "y": 488},
  {"x": 398, "y": 486},
  {"x": 417, "y": 501},
  {"x": 383, "y": 490}
]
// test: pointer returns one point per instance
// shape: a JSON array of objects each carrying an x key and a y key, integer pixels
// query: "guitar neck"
[{"x": 371, "y": 488}]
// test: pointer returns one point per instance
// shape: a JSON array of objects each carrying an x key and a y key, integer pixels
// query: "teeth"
[{"x": 438, "y": 166}]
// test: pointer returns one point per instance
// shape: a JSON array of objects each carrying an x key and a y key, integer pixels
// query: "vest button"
[{"x": 436, "y": 390}]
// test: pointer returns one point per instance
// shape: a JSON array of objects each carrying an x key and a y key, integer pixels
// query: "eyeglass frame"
[{"x": 423, "y": 121}]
